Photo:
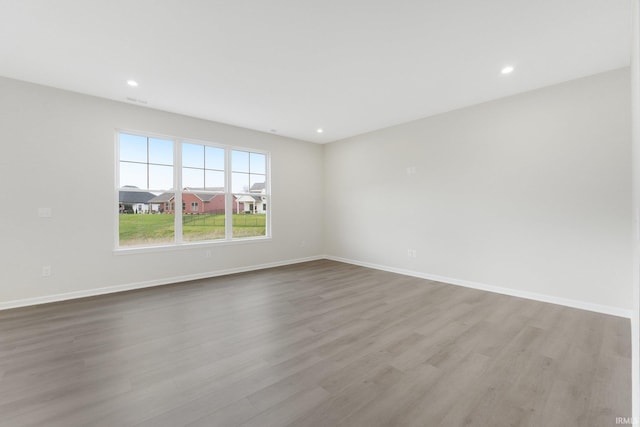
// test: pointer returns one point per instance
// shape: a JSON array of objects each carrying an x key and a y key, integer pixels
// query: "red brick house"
[{"x": 194, "y": 202}]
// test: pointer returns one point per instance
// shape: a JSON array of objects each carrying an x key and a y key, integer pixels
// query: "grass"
[{"x": 144, "y": 229}]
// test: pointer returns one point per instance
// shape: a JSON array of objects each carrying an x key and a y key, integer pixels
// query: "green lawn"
[{"x": 144, "y": 229}]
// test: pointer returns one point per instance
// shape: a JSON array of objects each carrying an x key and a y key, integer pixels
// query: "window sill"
[{"x": 189, "y": 245}]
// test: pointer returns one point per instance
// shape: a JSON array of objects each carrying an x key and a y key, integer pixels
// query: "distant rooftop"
[{"x": 134, "y": 196}]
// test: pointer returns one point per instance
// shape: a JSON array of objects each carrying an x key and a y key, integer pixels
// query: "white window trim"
[{"x": 178, "y": 243}]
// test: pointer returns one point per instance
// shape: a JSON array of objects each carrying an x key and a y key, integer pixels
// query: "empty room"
[{"x": 320, "y": 213}]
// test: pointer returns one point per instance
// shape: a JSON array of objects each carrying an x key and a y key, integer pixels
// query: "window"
[
  {"x": 203, "y": 180},
  {"x": 145, "y": 172},
  {"x": 248, "y": 185},
  {"x": 224, "y": 188}
]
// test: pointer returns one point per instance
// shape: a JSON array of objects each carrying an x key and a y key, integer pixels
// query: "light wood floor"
[{"x": 314, "y": 344}]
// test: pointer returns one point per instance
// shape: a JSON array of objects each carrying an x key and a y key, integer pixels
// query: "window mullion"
[
  {"x": 117, "y": 192},
  {"x": 267, "y": 192},
  {"x": 228, "y": 197},
  {"x": 177, "y": 186}
]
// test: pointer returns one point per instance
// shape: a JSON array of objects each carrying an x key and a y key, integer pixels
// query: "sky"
[{"x": 147, "y": 163}]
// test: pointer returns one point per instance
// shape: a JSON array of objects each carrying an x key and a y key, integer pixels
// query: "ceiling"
[{"x": 293, "y": 66}]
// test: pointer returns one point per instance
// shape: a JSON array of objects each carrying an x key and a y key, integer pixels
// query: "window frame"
[{"x": 178, "y": 242}]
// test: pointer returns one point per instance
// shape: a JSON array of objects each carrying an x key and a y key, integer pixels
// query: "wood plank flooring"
[{"x": 314, "y": 344}]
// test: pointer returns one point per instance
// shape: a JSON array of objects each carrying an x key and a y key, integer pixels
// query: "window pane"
[
  {"x": 249, "y": 216},
  {"x": 160, "y": 177},
  {"x": 193, "y": 178},
  {"x": 258, "y": 163},
  {"x": 239, "y": 161},
  {"x": 193, "y": 155},
  {"x": 133, "y": 174},
  {"x": 214, "y": 180},
  {"x": 214, "y": 158},
  {"x": 203, "y": 217},
  {"x": 133, "y": 148},
  {"x": 160, "y": 151},
  {"x": 144, "y": 224},
  {"x": 240, "y": 182}
]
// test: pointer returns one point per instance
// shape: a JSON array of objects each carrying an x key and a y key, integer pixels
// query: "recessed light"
[
  {"x": 507, "y": 70},
  {"x": 319, "y": 130},
  {"x": 132, "y": 83}
]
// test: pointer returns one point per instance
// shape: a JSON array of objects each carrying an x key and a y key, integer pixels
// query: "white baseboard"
[
  {"x": 615, "y": 311},
  {"x": 583, "y": 305},
  {"x": 146, "y": 284}
]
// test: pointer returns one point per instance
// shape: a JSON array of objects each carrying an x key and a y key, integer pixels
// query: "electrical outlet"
[
  {"x": 46, "y": 271},
  {"x": 207, "y": 253},
  {"x": 412, "y": 253}
]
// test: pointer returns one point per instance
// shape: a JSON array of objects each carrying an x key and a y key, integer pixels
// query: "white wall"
[
  {"x": 58, "y": 152},
  {"x": 635, "y": 124},
  {"x": 531, "y": 193}
]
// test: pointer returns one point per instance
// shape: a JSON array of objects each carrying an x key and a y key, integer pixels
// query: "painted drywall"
[
  {"x": 58, "y": 152},
  {"x": 530, "y": 193},
  {"x": 635, "y": 125}
]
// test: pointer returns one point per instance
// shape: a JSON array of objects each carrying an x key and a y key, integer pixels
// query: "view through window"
[{"x": 223, "y": 192}]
